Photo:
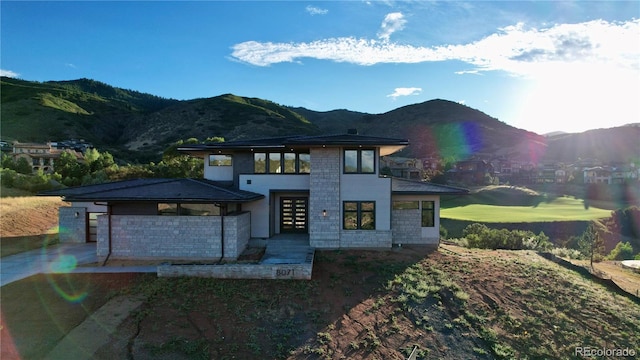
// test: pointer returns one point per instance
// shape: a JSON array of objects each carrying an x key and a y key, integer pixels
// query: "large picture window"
[
  {"x": 281, "y": 163},
  {"x": 359, "y": 215},
  {"x": 220, "y": 160},
  {"x": 360, "y": 161},
  {"x": 428, "y": 214}
]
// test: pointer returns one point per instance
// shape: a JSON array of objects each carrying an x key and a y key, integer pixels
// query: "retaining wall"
[{"x": 239, "y": 271}]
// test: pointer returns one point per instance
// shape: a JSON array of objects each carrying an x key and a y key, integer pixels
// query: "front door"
[{"x": 293, "y": 214}]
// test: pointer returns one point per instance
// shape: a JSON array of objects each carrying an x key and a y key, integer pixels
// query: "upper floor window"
[
  {"x": 281, "y": 163},
  {"x": 220, "y": 160},
  {"x": 359, "y": 161}
]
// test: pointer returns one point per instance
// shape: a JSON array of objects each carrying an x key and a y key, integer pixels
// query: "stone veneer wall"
[
  {"x": 172, "y": 237},
  {"x": 365, "y": 239},
  {"x": 237, "y": 231},
  {"x": 73, "y": 229},
  {"x": 406, "y": 226},
  {"x": 324, "y": 194}
]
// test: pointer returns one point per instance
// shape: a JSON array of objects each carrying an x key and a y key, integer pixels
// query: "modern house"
[{"x": 326, "y": 188}]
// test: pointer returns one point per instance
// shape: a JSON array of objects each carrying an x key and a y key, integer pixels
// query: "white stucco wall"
[
  {"x": 361, "y": 187},
  {"x": 218, "y": 173},
  {"x": 265, "y": 184}
]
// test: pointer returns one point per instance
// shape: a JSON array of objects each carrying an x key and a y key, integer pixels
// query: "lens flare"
[{"x": 57, "y": 262}]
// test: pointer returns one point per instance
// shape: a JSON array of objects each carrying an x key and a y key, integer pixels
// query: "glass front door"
[{"x": 293, "y": 214}]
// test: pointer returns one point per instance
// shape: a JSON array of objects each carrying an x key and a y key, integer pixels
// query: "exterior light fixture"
[
  {"x": 76, "y": 214},
  {"x": 324, "y": 213}
]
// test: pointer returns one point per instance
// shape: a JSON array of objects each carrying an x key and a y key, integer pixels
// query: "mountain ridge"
[{"x": 136, "y": 126}]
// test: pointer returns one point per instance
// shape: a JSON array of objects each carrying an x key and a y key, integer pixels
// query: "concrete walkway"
[
  {"x": 288, "y": 249},
  {"x": 61, "y": 258}
]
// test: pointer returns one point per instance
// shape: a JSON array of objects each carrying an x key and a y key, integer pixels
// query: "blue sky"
[{"x": 540, "y": 66}]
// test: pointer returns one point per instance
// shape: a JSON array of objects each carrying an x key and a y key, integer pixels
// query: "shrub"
[
  {"x": 567, "y": 253},
  {"x": 622, "y": 251},
  {"x": 443, "y": 232},
  {"x": 480, "y": 236}
]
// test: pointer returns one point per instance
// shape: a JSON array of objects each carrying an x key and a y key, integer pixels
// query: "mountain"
[
  {"x": 619, "y": 144},
  {"x": 137, "y": 127},
  {"x": 131, "y": 125}
]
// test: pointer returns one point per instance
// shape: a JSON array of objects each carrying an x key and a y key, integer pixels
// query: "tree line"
[{"x": 99, "y": 167}]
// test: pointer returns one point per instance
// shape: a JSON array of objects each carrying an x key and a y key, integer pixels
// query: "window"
[
  {"x": 259, "y": 163},
  {"x": 281, "y": 163},
  {"x": 359, "y": 215},
  {"x": 406, "y": 205},
  {"x": 275, "y": 163},
  {"x": 304, "y": 163},
  {"x": 289, "y": 163},
  {"x": 220, "y": 160},
  {"x": 359, "y": 161},
  {"x": 167, "y": 209},
  {"x": 180, "y": 209},
  {"x": 428, "y": 214}
]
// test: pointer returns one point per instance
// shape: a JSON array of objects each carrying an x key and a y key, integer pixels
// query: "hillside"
[
  {"x": 450, "y": 304},
  {"x": 620, "y": 144},
  {"x": 137, "y": 127}
]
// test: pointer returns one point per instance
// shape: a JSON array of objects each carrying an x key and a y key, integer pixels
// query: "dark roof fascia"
[
  {"x": 296, "y": 142},
  {"x": 163, "y": 200},
  {"x": 346, "y": 140}
]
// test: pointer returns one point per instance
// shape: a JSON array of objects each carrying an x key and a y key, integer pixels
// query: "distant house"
[
  {"x": 597, "y": 175},
  {"x": 40, "y": 156},
  {"x": 402, "y": 167},
  {"x": 326, "y": 189},
  {"x": 472, "y": 172}
]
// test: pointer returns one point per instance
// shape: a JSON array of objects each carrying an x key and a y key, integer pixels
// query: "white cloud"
[
  {"x": 316, "y": 11},
  {"x": 8, "y": 73},
  {"x": 513, "y": 49},
  {"x": 392, "y": 23},
  {"x": 408, "y": 91}
]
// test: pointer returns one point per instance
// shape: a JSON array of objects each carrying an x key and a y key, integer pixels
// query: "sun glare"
[{"x": 578, "y": 97}]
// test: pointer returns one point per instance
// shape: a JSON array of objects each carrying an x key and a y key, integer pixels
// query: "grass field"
[
  {"x": 506, "y": 204},
  {"x": 559, "y": 209}
]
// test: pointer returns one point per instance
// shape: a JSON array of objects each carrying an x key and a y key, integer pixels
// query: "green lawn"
[{"x": 559, "y": 209}]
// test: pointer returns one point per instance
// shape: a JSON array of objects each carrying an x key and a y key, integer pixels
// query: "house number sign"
[{"x": 284, "y": 272}]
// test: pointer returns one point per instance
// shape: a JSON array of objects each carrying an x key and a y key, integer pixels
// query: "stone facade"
[
  {"x": 324, "y": 197},
  {"x": 406, "y": 226},
  {"x": 73, "y": 224},
  {"x": 196, "y": 238},
  {"x": 365, "y": 239}
]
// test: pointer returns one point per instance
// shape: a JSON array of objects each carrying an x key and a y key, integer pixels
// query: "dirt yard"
[
  {"x": 30, "y": 215},
  {"x": 453, "y": 303}
]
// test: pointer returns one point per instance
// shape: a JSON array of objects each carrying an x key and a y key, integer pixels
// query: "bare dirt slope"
[{"x": 29, "y": 215}]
